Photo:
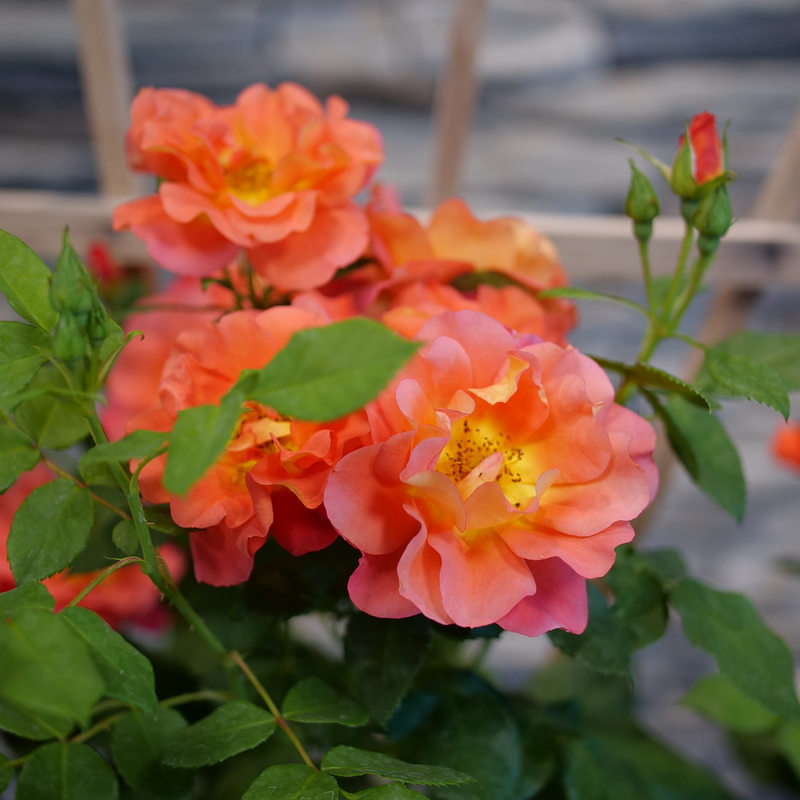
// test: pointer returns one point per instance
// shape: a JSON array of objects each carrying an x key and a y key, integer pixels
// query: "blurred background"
[{"x": 558, "y": 81}]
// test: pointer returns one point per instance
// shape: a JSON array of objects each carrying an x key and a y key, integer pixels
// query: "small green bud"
[
  {"x": 707, "y": 245},
  {"x": 641, "y": 204},
  {"x": 688, "y": 207},
  {"x": 714, "y": 214},
  {"x": 97, "y": 326},
  {"x": 69, "y": 344}
]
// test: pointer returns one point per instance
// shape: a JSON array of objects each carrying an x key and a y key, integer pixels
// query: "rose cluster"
[{"x": 485, "y": 484}]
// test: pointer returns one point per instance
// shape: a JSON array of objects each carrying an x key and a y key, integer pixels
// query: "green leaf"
[
  {"x": 717, "y": 699},
  {"x": 113, "y": 341},
  {"x": 392, "y": 791},
  {"x": 650, "y": 377},
  {"x": 231, "y": 729},
  {"x": 49, "y": 530},
  {"x": 312, "y": 700},
  {"x": 743, "y": 376},
  {"x": 46, "y": 666},
  {"x": 6, "y": 773},
  {"x": 200, "y": 435},
  {"x": 779, "y": 352},
  {"x": 325, "y": 373},
  {"x": 666, "y": 563},
  {"x": 127, "y": 673},
  {"x": 470, "y": 281},
  {"x": 126, "y": 537},
  {"x": 604, "y": 645},
  {"x": 789, "y": 744},
  {"x": 702, "y": 444},
  {"x": 52, "y": 422},
  {"x": 384, "y": 656},
  {"x": 17, "y": 455},
  {"x": 640, "y": 602},
  {"x": 138, "y": 444},
  {"x": 67, "y": 772},
  {"x": 348, "y": 762},
  {"x": 574, "y": 293},
  {"x": 634, "y": 768},
  {"x": 39, "y": 727},
  {"x": 138, "y": 741},
  {"x": 748, "y": 654},
  {"x": 23, "y": 349},
  {"x": 25, "y": 281},
  {"x": 29, "y": 595},
  {"x": 292, "y": 782}
]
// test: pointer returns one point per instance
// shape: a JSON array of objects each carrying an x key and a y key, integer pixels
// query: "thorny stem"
[
  {"x": 239, "y": 661},
  {"x": 96, "y": 498}
]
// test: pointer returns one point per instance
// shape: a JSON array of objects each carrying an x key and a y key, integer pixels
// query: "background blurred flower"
[{"x": 786, "y": 444}]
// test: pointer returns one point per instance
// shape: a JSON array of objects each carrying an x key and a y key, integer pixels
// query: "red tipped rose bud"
[
  {"x": 641, "y": 204},
  {"x": 699, "y": 158}
]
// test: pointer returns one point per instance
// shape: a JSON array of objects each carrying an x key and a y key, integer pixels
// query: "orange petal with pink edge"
[
  {"x": 223, "y": 556},
  {"x": 374, "y": 588},
  {"x": 297, "y": 528},
  {"x": 419, "y": 571},
  {"x": 482, "y": 579},
  {"x": 560, "y": 602}
]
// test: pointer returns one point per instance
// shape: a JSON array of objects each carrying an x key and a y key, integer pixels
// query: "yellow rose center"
[{"x": 250, "y": 179}]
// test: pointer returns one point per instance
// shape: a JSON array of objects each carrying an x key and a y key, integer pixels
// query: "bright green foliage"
[
  {"x": 383, "y": 656},
  {"x": 705, "y": 449},
  {"x": 39, "y": 727},
  {"x": 125, "y": 537},
  {"x": 778, "y": 352},
  {"x": 628, "y": 768},
  {"x": 748, "y": 654},
  {"x": 17, "y": 455},
  {"x": 604, "y": 645},
  {"x": 348, "y": 762},
  {"x": 25, "y": 281},
  {"x": 325, "y": 373},
  {"x": 138, "y": 741},
  {"x": 743, "y": 376},
  {"x": 138, "y": 444},
  {"x": 67, "y": 772},
  {"x": 292, "y": 782},
  {"x": 127, "y": 673},
  {"x": 49, "y": 530},
  {"x": 576, "y": 293},
  {"x": 392, "y": 791},
  {"x": 29, "y": 595},
  {"x": 46, "y": 666},
  {"x": 23, "y": 349},
  {"x": 50, "y": 419},
  {"x": 235, "y": 727},
  {"x": 312, "y": 700},
  {"x": 718, "y": 700}
]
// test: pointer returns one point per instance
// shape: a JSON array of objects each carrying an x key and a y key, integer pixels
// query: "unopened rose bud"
[
  {"x": 714, "y": 214},
  {"x": 97, "y": 326},
  {"x": 641, "y": 204},
  {"x": 69, "y": 344},
  {"x": 699, "y": 158}
]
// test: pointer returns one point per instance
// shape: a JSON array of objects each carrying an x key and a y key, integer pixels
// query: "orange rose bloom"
[{"x": 274, "y": 174}]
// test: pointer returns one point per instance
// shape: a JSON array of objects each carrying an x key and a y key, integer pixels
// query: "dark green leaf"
[
  {"x": 628, "y": 768},
  {"x": 747, "y": 653},
  {"x": 292, "y": 782},
  {"x": 17, "y": 455},
  {"x": 126, "y": 537},
  {"x": 25, "y": 281},
  {"x": 127, "y": 673},
  {"x": 383, "y": 656},
  {"x": 49, "y": 419},
  {"x": 200, "y": 435},
  {"x": 138, "y": 444},
  {"x": 743, "y": 376},
  {"x": 604, "y": 645},
  {"x": 25, "y": 723},
  {"x": 114, "y": 338},
  {"x": 574, "y": 293},
  {"x": 702, "y": 444},
  {"x": 392, "y": 791},
  {"x": 539, "y": 759},
  {"x": 138, "y": 741},
  {"x": 46, "y": 666},
  {"x": 470, "y": 281},
  {"x": 779, "y": 352},
  {"x": 312, "y": 700},
  {"x": 231, "y": 729},
  {"x": 325, "y": 373},
  {"x": 29, "y": 595},
  {"x": 640, "y": 602},
  {"x": 668, "y": 564},
  {"x": 49, "y": 530},
  {"x": 97, "y": 474},
  {"x": 23, "y": 349},
  {"x": 789, "y": 743},
  {"x": 348, "y": 762},
  {"x": 6, "y": 773},
  {"x": 67, "y": 772},
  {"x": 717, "y": 699}
]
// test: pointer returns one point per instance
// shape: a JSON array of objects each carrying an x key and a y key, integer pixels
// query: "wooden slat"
[
  {"x": 107, "y": 90},
  {"x": 455, "y": 99}
]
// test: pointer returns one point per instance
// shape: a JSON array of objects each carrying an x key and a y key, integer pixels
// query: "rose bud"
[
  {"x": 699, "y": 158},
  {"x": 69, "y": 343},
  {"x": 713, "y": 218},
  {"x": 641, "y": 204}
]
